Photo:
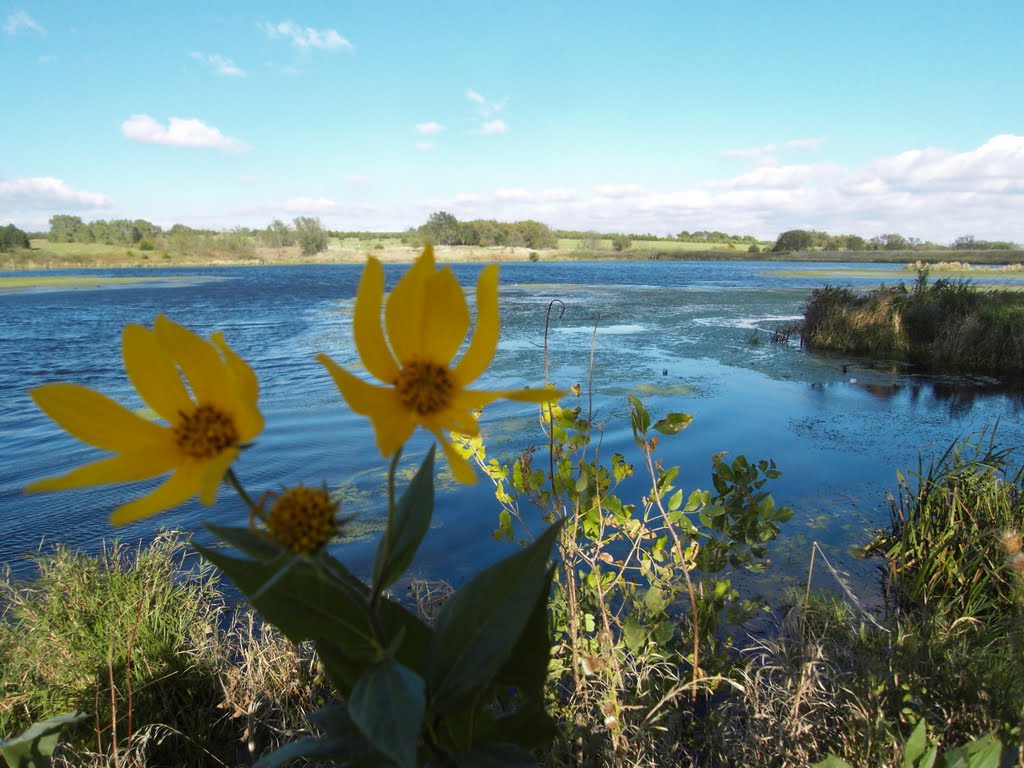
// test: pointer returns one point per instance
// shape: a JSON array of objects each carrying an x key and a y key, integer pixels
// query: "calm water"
[{"x": 675, "y": 333}]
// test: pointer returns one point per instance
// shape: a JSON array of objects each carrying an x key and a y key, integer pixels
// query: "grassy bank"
[
  {"x": 943, "y": 326},
  {"x": 171, "y": 675}
]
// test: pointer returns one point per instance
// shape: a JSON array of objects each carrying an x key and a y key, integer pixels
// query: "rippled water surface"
[{"x": 676, "y": 333}]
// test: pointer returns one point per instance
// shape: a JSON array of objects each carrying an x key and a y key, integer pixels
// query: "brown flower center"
[
  {"x": 205, "y": 432},
  {"x": 303, "y": 519},
  {"x": 425, "y": 387}
]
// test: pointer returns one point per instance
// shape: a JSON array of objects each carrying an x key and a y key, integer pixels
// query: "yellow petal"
[
  {"x": 445, "y": 317},
  {"x": 485, "y": 335},
  {"x": 198, "y": 358},
  {"x": 248, "y": 384},
  {"x": 403, "y": 313},
  {"x": 392, "y": 423},
  {"x": 366, "y": 324},
  {"x": 153, "y": 373},
  {"x": 213, "y": 473},
  {"x": 461, "y": 468},
  {"x": 249, "y": 420},
  {"x": 96, "y": 419},
  {"x": 123, "y": 468},
  {"x": 179, "y": 487},
  {"x": 475, "y": 399}
]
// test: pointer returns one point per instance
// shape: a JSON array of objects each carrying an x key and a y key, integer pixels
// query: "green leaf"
[
  {"x": 479, "y": 626},
  {"x": 387, "y": 705},
  {"x": 984, "y": 752},
  {"x": 527, "y": 665},
  {"x": 408, "y": 527},
  {"x": 34, "y": 747},
  {"x": 634, "y": 634},
  {"x": 673, "y": 423},
  {"x": 916, "y": 744},
  {"x": 299, "y": 602},
  {"x": 639, "y": 418},
  {"x": 832, "y": 762},
  {"x": 257, "y": 544}
]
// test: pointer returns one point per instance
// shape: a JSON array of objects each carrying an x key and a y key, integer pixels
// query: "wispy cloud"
[
  {"x": 221, "y": 65},
  {"x": 475, "y": 96},
  {"x": 494, "y": 126},
  {"x": 308, "y": 37},
  {"x": 20, "y": 20},
  {"x": 766, "y": 152},
  {"x": 46, "y": 193},
  {"x": 429, "y": 129},
  {"x": 179, "y": 132},
  {"x": 425, "y": 146}
]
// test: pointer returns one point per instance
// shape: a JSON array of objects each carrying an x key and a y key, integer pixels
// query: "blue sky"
[{"x": 749, "y": 117}]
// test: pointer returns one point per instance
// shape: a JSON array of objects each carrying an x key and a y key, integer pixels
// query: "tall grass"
[
  {"x": 143, "y": 640},
  {"x": 948, "y": 326}
]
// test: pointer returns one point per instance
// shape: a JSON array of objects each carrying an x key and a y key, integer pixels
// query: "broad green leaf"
[
  {"x": 34, "y": 747},
  {"x": 634, "y": 634},
  {"x": 410, "y": 524},
  {"x": 254, "y": 543},
  {"x": 640, "y": 418},
  {"x": 387, "y": 705},
  {"x": 526, "y": 668},
  {"x": 672, "y": 423},
  {"x": 480, "y": 624},
  {"x": 832, "y": 762},
  {"x": 984, "y": 752},
  {"x": 916, "y": 744}
]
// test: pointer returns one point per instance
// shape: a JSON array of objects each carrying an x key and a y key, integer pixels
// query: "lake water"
[{"x": 675, "y": 333}]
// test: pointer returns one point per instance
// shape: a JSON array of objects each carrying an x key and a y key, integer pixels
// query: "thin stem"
[
  {"x": 254, "y": 510},
  {"x": 377, "y": 589}
]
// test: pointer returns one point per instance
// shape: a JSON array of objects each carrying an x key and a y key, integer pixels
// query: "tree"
[
  {"x": 442, "y": 228},
  {"x": 794, "y": 240},
  {"x": 11, "y": 237},
  {"x": 890, "y": 242},
  {"x": 621, "y": 242},
  {"x": 537, "y": 235},
  {"x": 310, "y": 235},
  {"x": 277, "y": 235},
  {"x": 65, "y": 229}
]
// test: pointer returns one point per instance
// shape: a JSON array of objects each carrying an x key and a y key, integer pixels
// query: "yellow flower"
[
  {"x": 303, "y": 519},
  {"x": 204, "y": 431},
  {"x": 427, "y": 319}
]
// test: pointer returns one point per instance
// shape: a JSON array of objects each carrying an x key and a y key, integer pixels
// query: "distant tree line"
[
  {"x": 443, "y": 228},
  {"x": 810, "y": 239},
  {"x": 71, "y": 229}
]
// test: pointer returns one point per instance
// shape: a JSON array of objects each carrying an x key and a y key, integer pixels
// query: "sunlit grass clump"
[{"x": 947, "y": 327}]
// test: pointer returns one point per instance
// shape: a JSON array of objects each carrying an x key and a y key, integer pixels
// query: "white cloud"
[
  {"x": 429, "y": 129},
  {"x": 494, "y": 126},
  {"x": 308, "y": 37},
  {"x": 425, "y": 145},
  {"x": 46, "y": 59},
  {"x": 20, "y": 20},
  {"x": 179, "y": 132},
  {"x": 358, "y": 180},
  {"x": 46, "y": 193},
  {"x": 932, "y": 193},
  {"x": 804, "y": 145},
  {"x": 219, "y": 64},
  {"x": 475, "y": 96},
  {"x": 619, "y": 190}
]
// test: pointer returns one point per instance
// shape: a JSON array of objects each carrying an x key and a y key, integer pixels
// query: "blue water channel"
[{"x": 677, "y": 334}]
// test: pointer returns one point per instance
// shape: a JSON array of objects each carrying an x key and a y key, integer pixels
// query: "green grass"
[
  {"x": 143, "y": 640},
  {"x": 946, "y": 327}
]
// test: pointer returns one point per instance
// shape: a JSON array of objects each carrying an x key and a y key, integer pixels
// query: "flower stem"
[
  {"x": 385, "y": 550},
  {"x": 254, "y": 509}
]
